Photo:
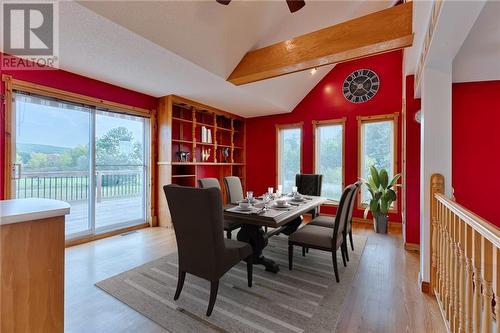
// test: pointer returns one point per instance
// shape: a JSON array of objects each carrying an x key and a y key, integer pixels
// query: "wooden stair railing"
[{"x": 465, "y": 265}]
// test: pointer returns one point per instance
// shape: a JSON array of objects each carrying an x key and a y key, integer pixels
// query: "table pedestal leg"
[{"x": 255, "y": 236}]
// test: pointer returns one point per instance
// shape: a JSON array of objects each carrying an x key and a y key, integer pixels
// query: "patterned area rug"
[{"x": 306, "y": 299}]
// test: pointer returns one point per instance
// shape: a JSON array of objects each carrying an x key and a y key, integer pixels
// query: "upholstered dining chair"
[
  {"x": 309, "y": 184},
  {"x": 323, "y": 238},
  {"x": 234, "y": 190},
  {"x": 329, "y": 221},
  {"x": 203, "y": 251},
  {"x": 229, "y": 226}
]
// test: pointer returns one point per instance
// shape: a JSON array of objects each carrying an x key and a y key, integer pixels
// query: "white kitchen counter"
[{"x": 23, "y": 210}]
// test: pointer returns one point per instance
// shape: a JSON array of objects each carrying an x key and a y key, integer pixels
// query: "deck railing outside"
[
  {"x": 74, "y": 185},
  {"x": 465, "y": 260}
]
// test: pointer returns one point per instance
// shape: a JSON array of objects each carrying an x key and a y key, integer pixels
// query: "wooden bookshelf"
[{"x": 180, "y": 128}]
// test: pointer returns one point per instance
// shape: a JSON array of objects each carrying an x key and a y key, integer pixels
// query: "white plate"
[
  {"x": 298, "y": 199},
  {"x": 287, "y": 205},
  {"x": 244, "y": 209}
]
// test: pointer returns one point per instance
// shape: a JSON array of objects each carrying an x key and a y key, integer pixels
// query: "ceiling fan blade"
[
  {"x": 295, "y": 5},
  {"x": 224, "y": 2}
]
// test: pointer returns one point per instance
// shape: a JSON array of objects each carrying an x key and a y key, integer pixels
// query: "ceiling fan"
[{"x": 293, "y": 5}]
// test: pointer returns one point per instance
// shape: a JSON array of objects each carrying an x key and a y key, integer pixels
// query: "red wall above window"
[
  {"x": 326, "y": 101},
  {"x": 476, "y": 147}
]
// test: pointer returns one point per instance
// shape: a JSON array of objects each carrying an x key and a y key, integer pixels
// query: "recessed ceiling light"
[{"x": 314, "y": 70}]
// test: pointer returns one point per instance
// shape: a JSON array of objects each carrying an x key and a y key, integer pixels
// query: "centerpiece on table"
[{"x": 382, "y": 196}]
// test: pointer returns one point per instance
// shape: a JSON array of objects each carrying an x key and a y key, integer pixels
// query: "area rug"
[{"x": 306, "y": 299}]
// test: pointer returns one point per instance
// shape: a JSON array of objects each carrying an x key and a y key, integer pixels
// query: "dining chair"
[
  {"x": 329, "y": 221},
  {"x": 324, "y": 238},
  {"x": 203, "y": 251},
  {"x": 234, "y": 190},
  {"x": 229, "y": 226},
  {"x": 309, "y": 184}
]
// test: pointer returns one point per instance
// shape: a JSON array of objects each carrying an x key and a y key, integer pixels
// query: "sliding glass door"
[
  {"x": 120, "y": 169},
  {"x": 93, "y": 159}
]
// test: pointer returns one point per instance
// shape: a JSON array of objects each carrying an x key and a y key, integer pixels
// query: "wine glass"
[{"x": 250, "y": 196}]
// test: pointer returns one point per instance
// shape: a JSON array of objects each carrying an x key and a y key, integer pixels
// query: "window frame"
[
  {"x": 323, "y": 123},
  {"x": 279, "y": 128},
  {"x": 394, "y": 117}
]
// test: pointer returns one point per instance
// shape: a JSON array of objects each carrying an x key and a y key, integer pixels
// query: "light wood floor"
[{"x": 385, "y": 296}]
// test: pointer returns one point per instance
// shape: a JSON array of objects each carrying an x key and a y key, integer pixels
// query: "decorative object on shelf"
[
  {"x": 203, "y": 134},
  {"x": 225, "y": 154},
  {"x": 361, "y": 85},
  {"x": 383, "y": 195},
  {"x": 205, "y": 154},
  {"x": 209, "y": 136},
  {"x": 183, "y": 156}
]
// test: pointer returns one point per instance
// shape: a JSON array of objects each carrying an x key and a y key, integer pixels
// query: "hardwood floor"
[{"x": 384, "y": 298}]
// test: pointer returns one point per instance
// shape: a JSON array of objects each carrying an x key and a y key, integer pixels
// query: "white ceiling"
[
  {"x": 479, "y": 56},
  {"x": 188, "y": 48}
]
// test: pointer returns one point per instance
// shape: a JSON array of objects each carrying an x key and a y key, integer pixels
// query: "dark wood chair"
[
  {"x": 203, "y": 251},
  {"x": 309, "y": 184},
  {"x": 229, "y": 226},
  {"x": 323, "y": 238},
  {"x": 329, "y": 221}
]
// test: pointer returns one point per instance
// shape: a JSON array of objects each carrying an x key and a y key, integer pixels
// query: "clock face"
[{"x": 360, "y": 86}]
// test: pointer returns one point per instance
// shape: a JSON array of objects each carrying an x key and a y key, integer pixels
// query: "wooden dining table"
[{"x": 257, "y": 217}]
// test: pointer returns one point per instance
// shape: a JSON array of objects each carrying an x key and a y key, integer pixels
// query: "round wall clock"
[{"x": 360, "y": 86}]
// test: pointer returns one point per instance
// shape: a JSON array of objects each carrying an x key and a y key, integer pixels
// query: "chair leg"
[
  {"x": 290, "y": 256},
  {"x": 250, "y": 270},
  {"x": 350, "y": 238},
  {"x": 343, "y": 251},
  {"x": 228, "y": 234},
  {"x": 307, "y": 250},
  {"x": 214, "y": 287},
  {"x": 335, "y": 268},
  {"x": 265, "y": 229},
  {"x": 303, "y": 251},
  {"x": 180, "y": 284}
]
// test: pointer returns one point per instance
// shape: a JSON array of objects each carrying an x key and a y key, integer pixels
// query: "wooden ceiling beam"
[{"x": 386, "y": 30}]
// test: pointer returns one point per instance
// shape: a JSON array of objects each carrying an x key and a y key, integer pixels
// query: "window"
[
  {"x": 289, "y": 154},
  {"x": 329, "y": 156},
  {"x": 377, "y": 146},
  {"x": 96, "y": 160}
]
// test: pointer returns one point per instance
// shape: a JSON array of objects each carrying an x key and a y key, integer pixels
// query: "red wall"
[
  {"x": 73, "y": 83},
  {"x": 412, "y": 198},
  {"x": 476, "y": 147},
  {"x": 325, "y": 101}
]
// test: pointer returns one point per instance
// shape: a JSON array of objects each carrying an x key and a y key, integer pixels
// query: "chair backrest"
[
  {"x": 343, "y": 211},
  {"x": 234, "y": 189},
  {"x": 309, "y": 184},
  {"x": 198, "y": 224},
  {"x": 351, "y": 206},
  {"x": 208, "y": 183}
]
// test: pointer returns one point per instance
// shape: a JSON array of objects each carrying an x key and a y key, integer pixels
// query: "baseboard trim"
[
  {"x": 412, "y": 247},
  {"x": 425, "y": 287},
  {"x": 367, "y": 221}
]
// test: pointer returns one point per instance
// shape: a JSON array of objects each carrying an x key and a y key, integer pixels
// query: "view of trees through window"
[
  {"x": 289, "y": 156},
  {"x": 54, "y": 154},
  {"x": 377, "y": 148},
  {"x": 328, "y": 157}
]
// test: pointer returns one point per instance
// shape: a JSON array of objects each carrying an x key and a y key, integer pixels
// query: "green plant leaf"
[
  {"x": 394, "y": 180},
  {"x": 374, "y": 207},
  {"x": 375, "y": 177},
  {"x": 384, "y": 178},
  {"x": 384, "y": 205},
  {"x": 391, "y": 195}
]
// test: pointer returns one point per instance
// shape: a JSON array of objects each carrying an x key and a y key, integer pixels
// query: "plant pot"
[{"x": 380, "y": 224}]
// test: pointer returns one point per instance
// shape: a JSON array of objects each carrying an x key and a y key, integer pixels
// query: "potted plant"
[{"x": 383, "y": 195}]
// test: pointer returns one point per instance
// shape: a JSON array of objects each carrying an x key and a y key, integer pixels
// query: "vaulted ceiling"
[{"x": 189, "y": 48}]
